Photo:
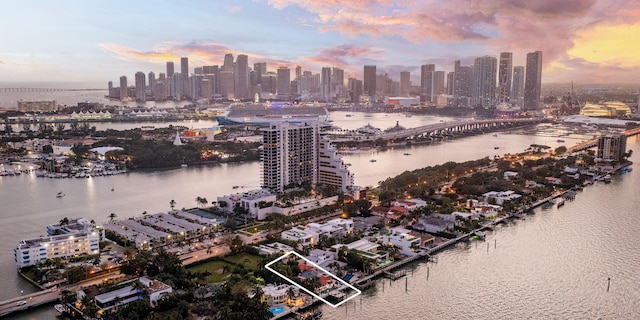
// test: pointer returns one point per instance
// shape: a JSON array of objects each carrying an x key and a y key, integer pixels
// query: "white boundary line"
[{"x": 267, "y": 266}]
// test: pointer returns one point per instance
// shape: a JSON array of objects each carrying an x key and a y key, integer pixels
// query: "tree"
[
  {"x": 236, "y": 245},
  {"x": 112, "y": 216},
  {"x": 64, "y": 221},
  {"x": 48, "y": 149}
]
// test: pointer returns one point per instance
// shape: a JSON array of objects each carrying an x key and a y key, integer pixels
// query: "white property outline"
[{"x": 267, "y": 266}]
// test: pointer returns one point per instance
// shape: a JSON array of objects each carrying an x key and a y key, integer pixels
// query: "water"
[{"x": 551, "y": 265}]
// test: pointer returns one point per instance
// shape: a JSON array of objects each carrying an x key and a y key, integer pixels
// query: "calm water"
[{"x": 551, "y": 265}]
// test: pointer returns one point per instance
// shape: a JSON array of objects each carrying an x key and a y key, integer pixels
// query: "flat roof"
[{"x": 135, "y": 226}]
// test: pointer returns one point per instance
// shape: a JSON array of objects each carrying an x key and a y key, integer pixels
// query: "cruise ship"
[{"x": 263, "y": 114}]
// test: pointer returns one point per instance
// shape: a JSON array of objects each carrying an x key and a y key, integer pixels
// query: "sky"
[{"x": 585, "y": 41}]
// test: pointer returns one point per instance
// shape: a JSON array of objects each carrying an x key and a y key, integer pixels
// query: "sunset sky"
[{"x": 587, "y": 41}]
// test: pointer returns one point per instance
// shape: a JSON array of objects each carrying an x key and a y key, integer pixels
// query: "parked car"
[{"x": 21, "y": 303}]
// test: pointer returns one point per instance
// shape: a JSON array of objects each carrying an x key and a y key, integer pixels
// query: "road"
[{"x": 32, "y": 300}]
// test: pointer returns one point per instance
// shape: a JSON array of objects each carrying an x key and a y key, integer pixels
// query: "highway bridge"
[
  {"x": 28, "y": 301},
  {"x": 435, "y": 131},
  {"x": 592, "y": 143},
  {"x": 8, "y": 90}
]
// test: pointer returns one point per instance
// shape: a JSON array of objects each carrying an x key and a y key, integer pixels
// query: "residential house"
[
  {"x": 401, "y": 239},
  {"x": 433, "y": 225}
]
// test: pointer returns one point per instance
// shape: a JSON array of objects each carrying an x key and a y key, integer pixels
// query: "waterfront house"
[
  {"x": 280, "y": 295},
  {"x": 401, "y": 239},
  {"x": 410, "y": 204},
  {"x": 499, "y": 197},
  {"x": 311, "y": 234},
  {"x": 301, "y": 235},
  {"x": 433, "y": 225},
  {"x": 126, "y": 292},
  {"x": 508, "y": 175}
]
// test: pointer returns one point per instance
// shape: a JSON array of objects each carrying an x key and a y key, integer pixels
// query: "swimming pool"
[{"x": 277, "y": 310}]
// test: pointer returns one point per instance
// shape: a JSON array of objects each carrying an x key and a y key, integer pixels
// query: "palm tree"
[
  {"x": 112, "y": 216},
  {"x": 64, "y": 221},
  {"x": 291, "y": 293}
]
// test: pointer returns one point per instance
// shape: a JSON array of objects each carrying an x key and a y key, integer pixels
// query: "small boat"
[
  {"x": 407, "y": 154},
  {"x": 480, "y": 234},
  {"x": 560, "y": 141},
  {"x": 60, "y": 309},
  {"x": 373, "y": 160},
  {"x": 496, "y": 148},
  {"x": 348, "y": 115},
  {"x": 236, "y": 187},
  {"x": 495, "y": 134},
  {"x": 607, "y": 178},
  {"x": 60, "y": 194},
  {"x": 184, "y": 165}
]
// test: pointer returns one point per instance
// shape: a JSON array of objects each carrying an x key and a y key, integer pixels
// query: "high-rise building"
[
  {"x": 517, "y": 89},
  {"x": 295, "y": 153},
  {"x": 152, "y": 82},
  {"x": 533, "y": 81},
  {"x": 124, "y": 90},
  {"x": 184, "y": 66},
  {"x": 175, "y": 86},
  {"x": 426, "y": 80},
  {"x": 289, "y": 154},
  {"x": 284, "y": 82},
  {"x": 325, "y": 84},
  {"x": 170, "y": 69},
  {"x": 369, "y": 83},
  {"x": 612, "y": 147},
  {"x": 405, "y": 82},
  {"x": 331, "y": 169},
  {"x": 355, "y": 90},
  {"x": 141, "y": 87},
  {"x": 483, "y": 84},
  {"x": 261, "y": 69},
  {"x": 242, "y": 77},
  {"x": 450, "y": 81},
  {"x": 438, "y": 85},
  {"x": 298, "y": 73},
  {"x": 228, "y": 62},
  {"x": 504, "y": 77},
  {"x": 461, "y": 80},
  {"x": 227, "y": 84}
]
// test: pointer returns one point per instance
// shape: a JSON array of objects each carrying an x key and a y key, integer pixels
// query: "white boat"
[
  {"x": 59, "y": 308},
  {"x": 184, "y": 165},
  {"x": 480, "y": 234}
]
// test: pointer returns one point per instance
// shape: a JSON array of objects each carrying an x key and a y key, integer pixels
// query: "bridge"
[
  {"x": 592, "y": 143},
  {"x": 436, "y": 131},
  {"x": 8, "y": 90},
  {"x": 28, "y": 301}
]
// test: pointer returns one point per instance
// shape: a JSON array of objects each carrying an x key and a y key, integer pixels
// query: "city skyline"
[{"x": 583, "y": 41}]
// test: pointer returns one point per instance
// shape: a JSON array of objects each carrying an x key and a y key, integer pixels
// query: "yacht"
[{"x": 373, "y": 160}]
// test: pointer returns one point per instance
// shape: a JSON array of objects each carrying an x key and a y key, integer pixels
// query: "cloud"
[{"x": 234, "y": 9}]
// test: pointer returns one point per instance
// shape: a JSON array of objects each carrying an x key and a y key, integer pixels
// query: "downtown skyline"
[{"x": 583, "y": 41}]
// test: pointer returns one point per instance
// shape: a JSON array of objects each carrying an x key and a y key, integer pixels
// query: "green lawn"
[
  {"x": 256, "y": 229},
  {"x": 215, "y": 267},
  {"x": 248, "y": 260}
]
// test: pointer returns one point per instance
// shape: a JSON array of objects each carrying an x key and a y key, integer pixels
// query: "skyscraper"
[
  {"x": 355, "y": 90},
  {"x": 226, "y": 84},
  {"x": 141, "y": 88},
  {"x": 170, "y": 69},
  {"x": 284, "y": 82},
  {"x": 533, "y": 81},
  {"x": 124, "y": 90},
  {"x": 369, "y": 83},
  {"x": 289, "y": 154},
  {"x": 483, "y": 84},
  {"x": 612, "y": 147},
  {"x": 325, "y": 84},
  {"x": 184, "y": 66},
  {"x": 242, "y": 77},
  {"x": 152, "y": 82},
  {"x": 450, "y": 81},
  {"x": 438, "y": 85},
  {"x": 504, "y": 77},
  {"x": 426, "y": 80},
  {"x": 261, "y": 69},
  {"x": 228, "y": 62},
  {"x": 517, "y": 90},
  {"x": 461, "y": 80},
  {"x": 405, "y": 82}
]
